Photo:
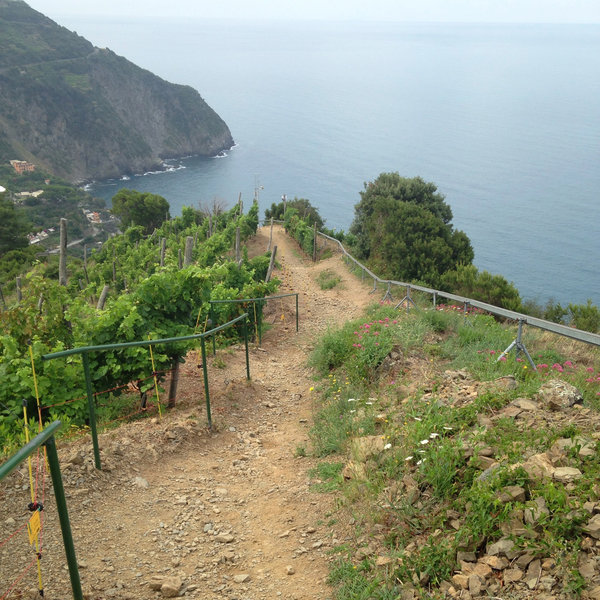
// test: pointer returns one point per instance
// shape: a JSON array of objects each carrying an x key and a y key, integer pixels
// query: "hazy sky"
[{"x": 540, "y": 11}]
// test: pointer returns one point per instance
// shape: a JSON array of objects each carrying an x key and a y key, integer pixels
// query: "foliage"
[
  {"x": 585, "y": 316},
  {"x": 13, "y": 228},
  {"x": 469, "y": 282},
  {"x": 147, "y": 300},
  {"x": 328, "y": 279},
  {"x": 306, "y": 211},
  {"x": 140, "y": 208},
  {"x": 402, "y": 228}
]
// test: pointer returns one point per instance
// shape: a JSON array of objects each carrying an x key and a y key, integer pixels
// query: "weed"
[
  {"x": 330, "y": 476},
  {"x": 300, "y": 452},
  {"x": 328, "y": 279},
  {"x": 219, "y": 363}
]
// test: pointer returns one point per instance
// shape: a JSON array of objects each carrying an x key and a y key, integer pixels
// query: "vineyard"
[{"x": 136, "y": 287}]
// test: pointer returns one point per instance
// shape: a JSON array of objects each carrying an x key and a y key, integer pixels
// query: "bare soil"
[{"x": 228, "y": 512}]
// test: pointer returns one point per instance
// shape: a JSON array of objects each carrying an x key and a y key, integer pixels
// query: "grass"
[
  {"x": 328, "y": 279},
  {"x": 422, "y": 494}
]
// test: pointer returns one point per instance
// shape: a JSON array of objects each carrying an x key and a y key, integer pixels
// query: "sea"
[{"x": 503, "y": 118}]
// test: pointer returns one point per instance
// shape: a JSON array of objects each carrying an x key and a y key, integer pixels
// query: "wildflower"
[
  {"x": 351, "y": 399},
  {"x": 590, "y": 369},
  {"x": 311, "y": 389},
  {"x": 387, "y": 446},
  {"x": 408, "y": 458},
  {"x": 434, "y": 435},
  {"x": 423, "y": 442},
  {"x": 448, "y": 428}
]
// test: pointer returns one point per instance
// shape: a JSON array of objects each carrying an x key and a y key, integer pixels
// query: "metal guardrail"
[
  {"x": 562, "y": 330},
  {"x": 46, "y": 437},
  {"x": 85, "y": 351}
]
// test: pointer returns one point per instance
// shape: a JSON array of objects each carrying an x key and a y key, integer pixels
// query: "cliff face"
[{"x": 83, "y": 112}]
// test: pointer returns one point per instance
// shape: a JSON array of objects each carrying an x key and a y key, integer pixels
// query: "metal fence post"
[
  {"x": 205, "y": 373},
  {"x": 211, "y": 316},
  {"x": 91, "y": 409},
  {"x": 63, "y": 515},
  {"x": 245, "y": 329},
  {"x": 296, "y": 313},
  {"x": 259, "y": 322}
]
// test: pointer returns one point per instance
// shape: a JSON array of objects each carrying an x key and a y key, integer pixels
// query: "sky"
[{"x": 511, "y": 11}]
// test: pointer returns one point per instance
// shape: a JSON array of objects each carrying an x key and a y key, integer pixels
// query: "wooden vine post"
[
  {"x": 271, "y": 263},
  {"x": 315, "y": 242},
  {"x": 189, "y": 247},
  {"x": 163, "y": 250},
  {"x": 270, "y": 236},
  {"x": 102, "y": 298}
]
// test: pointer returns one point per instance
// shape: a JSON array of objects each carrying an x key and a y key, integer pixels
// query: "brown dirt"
[{"x": 208, "y": 507}]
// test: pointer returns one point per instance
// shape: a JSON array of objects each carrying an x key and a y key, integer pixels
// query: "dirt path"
[{"x": 227, "y": 514}]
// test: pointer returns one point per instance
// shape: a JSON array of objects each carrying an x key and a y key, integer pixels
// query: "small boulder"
[
  {"x": 170, "y": 587},
  {"x": 559, "y": 395},
  {"x": 566, "y": 474}
]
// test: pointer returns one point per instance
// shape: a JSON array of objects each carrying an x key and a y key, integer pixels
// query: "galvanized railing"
[
  {"x": 522, "y": 319},
  {"x": 85, "y": 351},
  {"x": 46, "y": 437}
]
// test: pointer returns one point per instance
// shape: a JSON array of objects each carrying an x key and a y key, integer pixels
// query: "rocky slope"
[{"x": 82, "y": 112}]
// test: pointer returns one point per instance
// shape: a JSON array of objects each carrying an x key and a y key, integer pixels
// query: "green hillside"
[{"x": 82, "y": 112}]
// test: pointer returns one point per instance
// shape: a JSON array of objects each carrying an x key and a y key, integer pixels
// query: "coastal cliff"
[{"x": 83, "y": 112}]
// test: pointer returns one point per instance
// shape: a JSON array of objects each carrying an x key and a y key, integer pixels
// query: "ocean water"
[{"x": 504, "y": 119}]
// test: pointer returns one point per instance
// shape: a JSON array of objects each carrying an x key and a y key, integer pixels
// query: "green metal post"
[
  {"x": 296, "y": 313},
  {"x": 246, "y": 343},
  {"x": 259, "y": 324},
  {"x": 91, "y": 408},
  {"x": 211, "y": 316},
  {"x": 63, "y": 515},
  {"x": 205, "y": 373}
]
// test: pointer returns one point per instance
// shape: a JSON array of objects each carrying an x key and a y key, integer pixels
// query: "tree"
[
  {"x": 306, "y": 211},
  {"x": 468, "y": 281},
  {"x": 402, "y": 227},
  {"x": 13, "y": 227},
  {"x": 140, "y": 208},
  {"x": 585, "y": 316}
]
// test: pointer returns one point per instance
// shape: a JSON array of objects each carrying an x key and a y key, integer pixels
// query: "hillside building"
[{"x": 22, "y": 166}]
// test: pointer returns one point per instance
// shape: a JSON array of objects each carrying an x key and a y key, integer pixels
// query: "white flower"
[
  {"x": 408, "y": 458},
  {"x": 351, "y": 399},
  {"x": 434, "y": 435},
  {"x": 416, "y": 419},
  {"x": 423, "y": 442},
  {"x": 387, "y": 446},
  {"x": 369, "y": 403},
  {"x": 448, "y": 428}
]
